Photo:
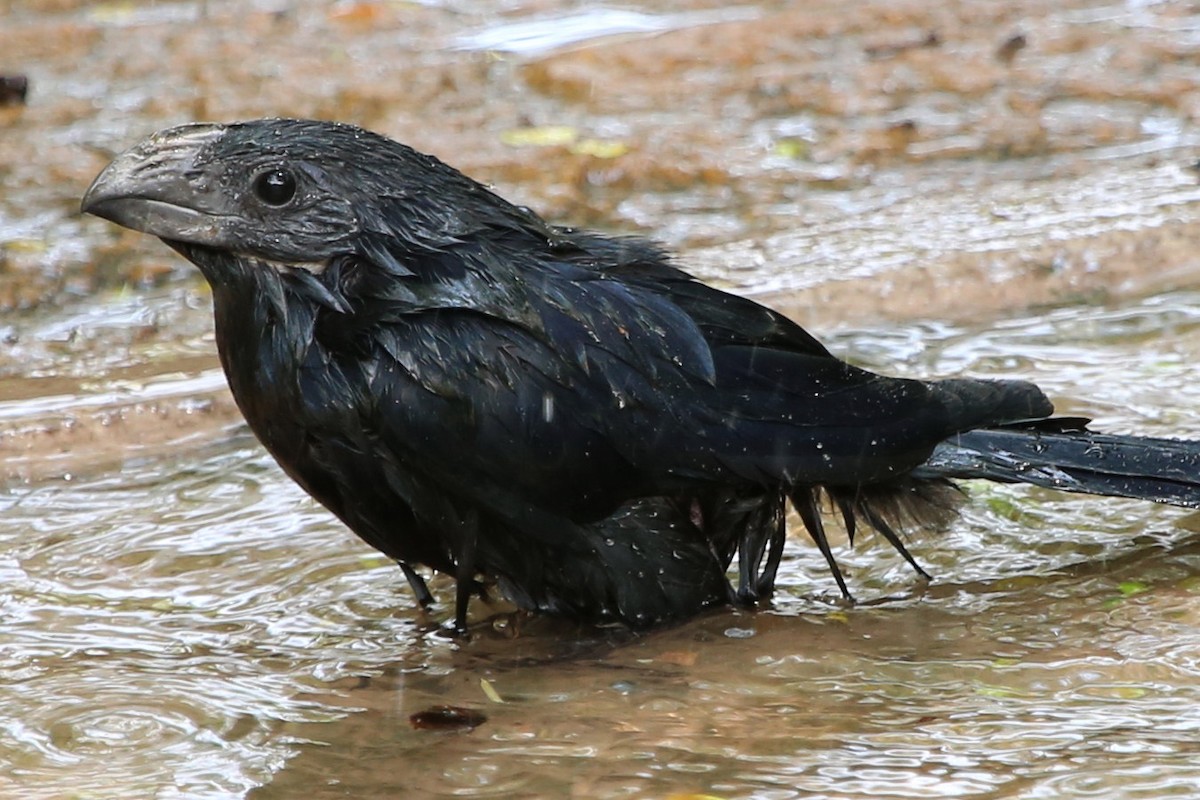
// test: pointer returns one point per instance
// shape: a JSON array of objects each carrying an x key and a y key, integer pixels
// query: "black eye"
[{"x": 275, "y": 187}]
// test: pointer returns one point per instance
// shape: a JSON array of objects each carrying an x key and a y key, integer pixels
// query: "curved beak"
[{"x": 161, "y": 187}]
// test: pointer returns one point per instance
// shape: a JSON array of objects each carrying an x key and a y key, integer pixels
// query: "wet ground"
[{"x": 985, "y": 188}]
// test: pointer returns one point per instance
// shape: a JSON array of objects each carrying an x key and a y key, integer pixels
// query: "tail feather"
[
  {"x": 887, "y": 508},
  {"x": 1160, "y": 470},
  {"x": 1056, "y": 453},
  {"x": 804, "y": 500}
]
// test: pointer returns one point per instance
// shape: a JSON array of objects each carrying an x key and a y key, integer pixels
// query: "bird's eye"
[{"x": 275, "y": 187}]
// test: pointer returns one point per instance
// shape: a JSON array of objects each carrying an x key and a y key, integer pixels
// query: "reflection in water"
[
  {"x": 185, "y": 626},
  {"x": 541, "y": 36}
]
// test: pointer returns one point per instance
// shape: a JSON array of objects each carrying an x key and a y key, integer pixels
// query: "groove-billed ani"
[{"x": 472, "y": 389}]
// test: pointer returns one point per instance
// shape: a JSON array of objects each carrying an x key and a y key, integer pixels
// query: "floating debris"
[
  {"x": 13, "y": 89},
  {"x": 1014, "y": 44},
  {"x": 893, "y": 49},
  {"x": 447, "y": 718}
]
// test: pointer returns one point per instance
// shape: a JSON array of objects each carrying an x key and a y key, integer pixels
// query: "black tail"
[
  {"x": 1062, "y": 454},
  {"x": 1057, "y": 453}
]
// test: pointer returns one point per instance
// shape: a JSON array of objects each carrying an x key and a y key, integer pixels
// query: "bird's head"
[{"x": 290, "y": 193}]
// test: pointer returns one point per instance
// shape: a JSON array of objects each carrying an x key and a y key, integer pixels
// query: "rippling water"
[
  {"x": 193, "y": 626},
  {"x": 160, "y": 621},
  {"x": 178, "y": 621}
]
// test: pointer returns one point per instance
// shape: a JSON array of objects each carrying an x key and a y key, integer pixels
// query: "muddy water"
[
  {"x": 962, "y": 188},
  {"x": 190, "y": 625}
]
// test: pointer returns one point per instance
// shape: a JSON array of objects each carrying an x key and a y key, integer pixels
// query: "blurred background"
[{"x": 987, "y": 188}]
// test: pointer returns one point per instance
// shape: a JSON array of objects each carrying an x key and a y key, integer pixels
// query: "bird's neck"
[{"x": 263, "y": 333}]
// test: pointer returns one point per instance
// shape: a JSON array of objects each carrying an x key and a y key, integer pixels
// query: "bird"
[{"x": 564, "y": 416}]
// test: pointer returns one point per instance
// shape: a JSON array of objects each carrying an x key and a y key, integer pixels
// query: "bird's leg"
[
  {"x": 806, "y": 507},
  {"x": 765, "y": 585},
  {"x": 880, "y": 524},
  {"x": 417, "y": 584},
  {"x": 465, "y": 572},
  {"x": 750, "y": 555}
]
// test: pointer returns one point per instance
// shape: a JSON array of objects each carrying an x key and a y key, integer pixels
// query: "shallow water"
[
  {"x": 179, "y": 620},
  {"x": 191, "y": 625}
]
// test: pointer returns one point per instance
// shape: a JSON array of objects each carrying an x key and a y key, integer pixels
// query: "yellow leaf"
[
  {"x": 600, "y": 148},
  {"x": 791, "y": 148},
  {"x": 490, "y": 691},
  {"x": 542, "y": 136},
  {"x": 113, "y": 13}
]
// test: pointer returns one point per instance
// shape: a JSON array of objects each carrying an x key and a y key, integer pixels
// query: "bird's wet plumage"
[{"x": 472, "y": 389}]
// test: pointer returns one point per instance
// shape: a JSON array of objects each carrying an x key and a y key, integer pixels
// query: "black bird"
[{"x": 561, "y": 412}]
